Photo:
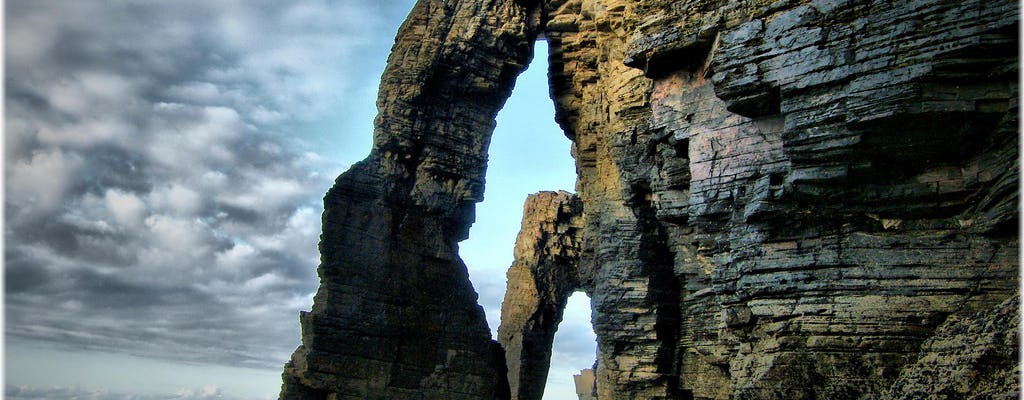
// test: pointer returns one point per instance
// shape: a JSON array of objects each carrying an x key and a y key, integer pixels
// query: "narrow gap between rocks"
[
  {"x": 528, "y": 153},
  {"x": 574, "y": 350}
]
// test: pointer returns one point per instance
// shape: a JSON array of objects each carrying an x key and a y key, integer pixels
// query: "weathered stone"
[
  {"x": 970, "y": 357},
  {"x": 395, "y": 316},
  {"x": 586, "y": 386},
  {"x": 828, "y": 183},
  {"x": 809, "y": 171},
  {"x": 540, "y": 281},
  {"x": 781, "y": 199},
  {"x": 604, "y": 106}
]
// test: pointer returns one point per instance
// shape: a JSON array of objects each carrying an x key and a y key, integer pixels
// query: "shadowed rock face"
[
  {"x": 777, "y": 199},
  {"x": 396, "y": 316}
]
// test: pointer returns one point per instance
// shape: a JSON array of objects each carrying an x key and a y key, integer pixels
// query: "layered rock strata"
[
  {"x": 540, "y": 281},
  {"x": 603, "y": 105},
  {"x": 395, "y": 316},
  {"x": 853, "y": 183},
  {"x": 968, "y": 357},
  {"x": 787, "y": 203},
  {"x": 784, "y": 199}
]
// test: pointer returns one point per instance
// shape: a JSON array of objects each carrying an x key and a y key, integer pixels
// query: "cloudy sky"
[{"x": 164, "y": 165}]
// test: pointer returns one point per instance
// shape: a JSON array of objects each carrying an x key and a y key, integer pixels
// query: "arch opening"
[
  {"x": 574, "y": 353},
  {"x": 529, "y": 153}
]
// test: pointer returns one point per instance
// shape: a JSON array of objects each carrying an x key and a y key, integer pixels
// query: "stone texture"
[
  {"x": 786, "y": 203},
  {"x": 586, "y": 386},
  {"x": 777, "y": 199},
  {"x": 839, "y": 154},
  {"x": 395, "y": 316},
  {"x": 603, "y": 105},
  {"x": 970, "y": 357},
  {"x": 540, "y": 281}
]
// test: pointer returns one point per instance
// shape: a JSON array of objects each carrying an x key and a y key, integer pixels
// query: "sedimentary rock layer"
[
  {"x": 395, "y": 316},
  {"x": 777, "y": 199},
  {"x": 969, "y": 357},
  {"x": 540, "y": 281},
  {"x": 784, "y": 199},
  {"x": 603, "y": 105},
  {"x": 853, "y": 183}
]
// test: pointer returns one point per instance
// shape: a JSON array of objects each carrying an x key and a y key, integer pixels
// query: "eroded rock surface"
[
  {"x": 780, "y": 199},
  {"x": 540, "y": 282},
  {"x": 396, "y": 316},
  {"x": 784, "y": 199},
  {"x": 853, "y": 183},
  {"x": 969, "y": 357}
]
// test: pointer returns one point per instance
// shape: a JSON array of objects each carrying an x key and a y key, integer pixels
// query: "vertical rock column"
[
  {"x": 540, "y": 281},
  {"x": 396, "y": 316}
]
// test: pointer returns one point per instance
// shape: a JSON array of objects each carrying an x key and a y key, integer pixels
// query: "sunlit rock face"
[
  {"x": 540, "y": 281},
  {"x": 968, "y": 357},
  {"x": 853, "y": 183},
  {"x": 785, "y": 199}
]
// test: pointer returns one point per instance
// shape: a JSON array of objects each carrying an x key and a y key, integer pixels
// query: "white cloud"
[
  {"x": 176, "y": 234},
  {"x": 127, "y": 209},
  {"x": 208, "y": 392},
  {"x": 205, "y": 392},
  {"x": 161, "y": 184},
  {"x": 262, "y": 282},
  {"x": 299, "y": 235},
  {"x": 263, "y": 115},
  {"x": 176, "y": 198},
  {"x": 80, "y": 93},
  {"x": 268, "y": 194},
  {"x": 189, "y": 136},
  {"x": 212, "y": 181},
  {"x": 40, "y": 182},
  {"x": 236, "y": 258}
]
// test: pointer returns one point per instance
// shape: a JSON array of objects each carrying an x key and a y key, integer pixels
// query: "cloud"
[
  {"x": 165, "y": 165},
  {"x": 127, "y": 209},
  {"x": 575, "y": 341},
  {"x": 42, "y": 178},
  {"x": 208, "y": 392},
  {"x": 162, "y": 179}
]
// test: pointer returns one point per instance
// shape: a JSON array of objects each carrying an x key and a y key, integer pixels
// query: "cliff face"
[
  {"x": 850, "y": 186},
  {"x": 787, "y": 199}
]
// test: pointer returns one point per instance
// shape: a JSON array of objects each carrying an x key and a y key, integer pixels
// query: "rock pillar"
[
  {"x": 540, "y": 281},
  {"x": 396, "y": 316}
]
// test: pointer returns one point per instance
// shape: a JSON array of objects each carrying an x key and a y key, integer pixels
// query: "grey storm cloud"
[
  {"x": 164, "y": 172},
  {"x": 159, "y": 200}
]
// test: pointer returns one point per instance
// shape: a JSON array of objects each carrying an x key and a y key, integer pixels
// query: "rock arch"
[
  {"x": 396, "y": 316},
  {"x": 781, "y": 199}
]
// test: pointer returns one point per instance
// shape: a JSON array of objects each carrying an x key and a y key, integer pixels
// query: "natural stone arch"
[
  {"x": 396, "y": 316},
  {"x": 768, "y": 262}
]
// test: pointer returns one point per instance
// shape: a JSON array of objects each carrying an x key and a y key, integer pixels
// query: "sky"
[{"x": 164, "y": 165}]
